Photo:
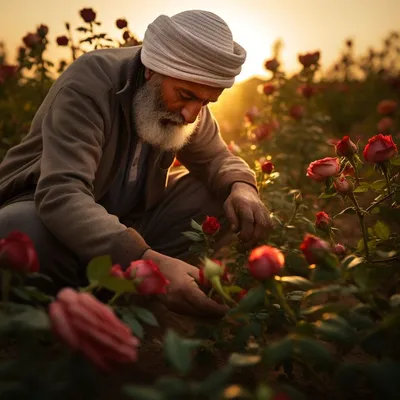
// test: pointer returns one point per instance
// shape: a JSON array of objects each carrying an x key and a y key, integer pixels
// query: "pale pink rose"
[{"x": 320, "y": 170}]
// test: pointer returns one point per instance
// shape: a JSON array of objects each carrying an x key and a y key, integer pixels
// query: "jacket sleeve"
[
  {"x": 73, "y": 137},
  {"x": 208, "y": 158}
]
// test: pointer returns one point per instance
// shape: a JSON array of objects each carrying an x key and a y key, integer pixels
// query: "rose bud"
[
  {"x": 17, "y": 253},
  {"x": 379, "y": 149},
  {"x": 204, "y": 276},
  {"x": 320, "y": 170},
  {"x": 265, "y": 262},
  {"x": 31, "y": 40},
  {"x": 88, "y": 14},
  {"x": 87, "y": 325},
  {"x": 269, "y": 88},
  {"x": 62, "y": 41},
  {"x": 296, "y": 111},
  {"x": 314, "y": 248},
  {"x": 121, "y": 23},
  {"x": 323, "y": 221},
  {"x": 342, "y": 185},
  {"x": 147, "y": 277},
  {"x": 211, "y": 226},
  {"x": 387, "y": 107},
  {"x": 267, "y": 167},
  {"x": 346, "y": 148},
  {"x": 272, "y": 65},
  {"x": 340, "y": 250},
  {"x": 42, "y": 30},
  {"x": 117, "y": 271}
]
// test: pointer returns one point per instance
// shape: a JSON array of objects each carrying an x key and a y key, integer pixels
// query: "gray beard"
[{"x": 149, "y": 111}]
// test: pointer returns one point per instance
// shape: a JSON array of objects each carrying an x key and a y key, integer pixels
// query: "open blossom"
[
  {"x": 17, "y": 253},
  {"x": 88, "y": 14},
  {"x": 89, "y": 326},
  {"x": 147, "y": 277},
  {"x": 314, "y": 248},
  {"x": 342, "y": 185},
  {"x": 346, "y": 148},
  {"x": 379, "y": 149},
  {"x": 265, "y": 262},
  {"x": 322, "y": 220},
  {"x": 211, "y": 225},
  {"x": 320, "y": 170},
  {"x": 272, "y": 65},
  {"x": 387, "y": 107},
  {"x": 309, "y": 59},
  {"x": 267, "y": 167}
]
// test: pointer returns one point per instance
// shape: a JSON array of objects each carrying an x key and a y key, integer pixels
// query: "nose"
[{"x": 191, "y": 111}]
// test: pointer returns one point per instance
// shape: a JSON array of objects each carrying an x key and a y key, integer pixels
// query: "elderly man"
[{"x": 92, "y": 177}]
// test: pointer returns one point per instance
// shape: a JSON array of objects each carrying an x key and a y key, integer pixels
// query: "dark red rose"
[
  {"x": 121, "y": 23},
  {"x": 62, "y": 41},
  {"x": 211, "y": 225},
  {"x": 314, "y": 248},
  {"x": 346, "y": 148},
  {"x": 88, "y": 14},
  {"x": 267, "y": 167}
]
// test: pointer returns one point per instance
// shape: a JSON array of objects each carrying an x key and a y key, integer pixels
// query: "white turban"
[{"x": 195, "y": 46}]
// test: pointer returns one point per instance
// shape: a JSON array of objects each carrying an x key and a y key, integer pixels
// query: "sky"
[{"x": 303, "y": 25}]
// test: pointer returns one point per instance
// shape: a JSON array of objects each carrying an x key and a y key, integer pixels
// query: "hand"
[
  {"x": 247, "y": 214},
  {"x": 183, "y": 294}
]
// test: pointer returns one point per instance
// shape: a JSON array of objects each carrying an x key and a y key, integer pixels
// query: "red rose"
[
  {"x": 296, "y": 111},
  {"x": 147, "y": 277},
  {"x": 314, "y": 248},
  {"x": 176, "y": 163},
  {"x": 88, "y": 14},
  {"x": 380, "y": 149},
  {"x": 272, "y": 65},
  {"x": 319, "y": 170},
  {"x": 117, "y": 271},
  {"x": 62, "y": 41},
  {"x": 385, "y": 124},
  {"x": 386, "y": 107},
  {"x": 265, "y": 130},
  {"x": 346, "y": 148},
  {"x": 87, "y": 325},
  {"x": 121, "y": 23},
  {"x": 31, "y": 40},
  {"x": 267, "y": 167},
  {"x": 306, "y": 91},
  {"x": 211, "y": 225},
  {"x": 342, "y": 185},
  {"x": 269, "y": 88},
  {"x": 17, "y": 252},
  {"x": 322, "y": 220},
  {"x": 309, "y": 59},
  {"x": 265, "y": 262},
  {"x": 340, "y": 250}
]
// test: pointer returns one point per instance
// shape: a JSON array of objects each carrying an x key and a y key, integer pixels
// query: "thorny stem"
[
  {"x": 114, "y": 299},
  {"x": 373, "y": 205},
  {"x": 395, "y": 258},
  {"x": 362, "y": 224}
]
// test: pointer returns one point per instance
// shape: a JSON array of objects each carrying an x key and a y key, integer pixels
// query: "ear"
[{"x": 148, "y": 73}]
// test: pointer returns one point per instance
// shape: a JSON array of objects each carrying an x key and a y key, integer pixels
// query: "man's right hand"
[{"x": 183, "y": 294}]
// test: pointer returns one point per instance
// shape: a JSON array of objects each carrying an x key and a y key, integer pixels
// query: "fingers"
[
  {"x": 232, "y": 217},
  {"x": 247, "y": 224},
  {"x": 203, "y": 305},
  {"x": 262, "y": 226}
]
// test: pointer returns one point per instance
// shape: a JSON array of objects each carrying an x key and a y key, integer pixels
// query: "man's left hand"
[{"x": 247, "y": 214}]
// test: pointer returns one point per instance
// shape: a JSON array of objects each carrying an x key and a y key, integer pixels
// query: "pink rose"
[
  {"x": 17, "y": 252},
  {"x": 320, "y": 170},
  {"x": 322, "y": 221},
  {"x": 314, "y": 248},
  {"x": 342, "y": 185},
  {"x": 117, "y": 271},
  {"x": 265, "y": 262},
  {"x": 340, "y": 250},
  {"x": 379, "y": 149},
  {"x": 87, "y": 325},
  {"x": 147, "y": 277}
]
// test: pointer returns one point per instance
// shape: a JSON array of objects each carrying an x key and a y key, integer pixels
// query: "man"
[{"x": 92, "y": 177}]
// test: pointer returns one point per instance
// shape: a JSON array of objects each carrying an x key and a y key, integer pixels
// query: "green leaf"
[
  {"x": 395, "y": 160},
  {"x": 98, "y": 268},
  {"x": 327, "y": 195},
  {"x": 378, "y": 185},
  {"x": 216, "y": 380},
  {"x": 321, "y": 274},
  {"x": 244, "y": 360},
  {"x": 314, "y": 351},
  {"x": 356, "y": 261},
  {"x": 133, "y": 323},
  {"x": 196, "y": 237},
  {"x": 385, "y": 377},
  {"x": 324, "y": 308},
  {"x": 362, "y": 188},
  {"x": 335, "y": 328},
  {"x": 334, "y": 288},
  {"x": 145, "y": 315},
  {"x": 196, "y": 226},
  {"x": 276, "y": 353},
  {"x": 117, "y": 285},
  {"x": 232, "y": 289},
  {"x": 143, "y": 392},
  {"x": 254, "y": 298},
  {"x": 297, "y": 281},
  {"x": 178, "y": 351},
  {"x": 348, "y": 210},
  {"x": 382, "y": 230}
]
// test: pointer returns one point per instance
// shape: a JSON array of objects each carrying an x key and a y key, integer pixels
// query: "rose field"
[{"x": 314, "y": 310}]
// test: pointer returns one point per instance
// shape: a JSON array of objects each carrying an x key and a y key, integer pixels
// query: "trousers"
[{"x": 185, "y": 199}]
